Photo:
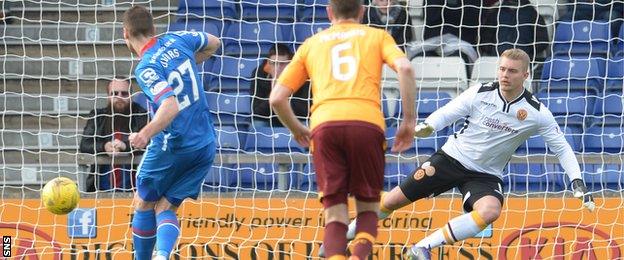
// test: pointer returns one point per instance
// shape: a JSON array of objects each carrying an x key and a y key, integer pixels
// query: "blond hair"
[{"x": 517, "y": 54}]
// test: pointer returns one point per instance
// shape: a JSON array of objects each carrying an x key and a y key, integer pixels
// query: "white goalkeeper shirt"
[{"x": 495, "y": 128}]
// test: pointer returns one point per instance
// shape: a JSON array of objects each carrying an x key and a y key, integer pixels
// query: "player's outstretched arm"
[
  {"x": 555, "y": 139},
  {"x": 407, "y": 85},
  {"x": 167, "y": 111},
  {"x": 213, "y": 45},
  {"x": 281, "y": 106}
]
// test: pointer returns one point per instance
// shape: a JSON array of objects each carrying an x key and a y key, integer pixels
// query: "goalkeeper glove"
[
  {"x": 580, "y": 191},
  {"x": 423, "y": 130}
]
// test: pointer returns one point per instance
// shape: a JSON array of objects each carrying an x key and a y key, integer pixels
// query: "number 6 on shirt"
[{"x": 338, "y": 60}]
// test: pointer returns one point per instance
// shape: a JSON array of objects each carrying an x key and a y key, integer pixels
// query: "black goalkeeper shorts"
[{"x": 441, "y": 173}]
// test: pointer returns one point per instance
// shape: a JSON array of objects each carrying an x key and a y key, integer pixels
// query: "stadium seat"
[
  {"x": 576, "y": 73},
  {"x": 229, "y": 109},
  {"x": 229, "y": 139},
  {"x": 314, "y": 11},
  {"x": 308, "y": 179},
  {"x": 395, "y": 173},
  {"x": 589, "y": 38},
  {"x": 615, "y": 73},
  {"x": 570, "y": 108},
  {"x": 440, "y": 73},
  {"x": 305, "y": 30},
  {"x": 259, "y": 176},
  {"x": 422, "y": 146},
  {"x": 484, "y": 70},
  {"x": 252, "y": 39},
  {"x": 599, "y": 177},
  {"x": 232, "y": 74},
  {"x": 427, "y": 102},
  {"x": 220, "y": 178},
  {"x": 603, "y": 139},
  {"x": 271, "y": 10},
  {"x": 536, "y": 144},
  {"x": 609, "y": 109},
  {"x": 619, "y": 45},
  {"x": 141, "y": 99},
  {"x": 525, "y": 177},
  {"x": 208, "y": 9},
  {"x": 216, "y": 28},
  {"x": 272, "y": 140}
]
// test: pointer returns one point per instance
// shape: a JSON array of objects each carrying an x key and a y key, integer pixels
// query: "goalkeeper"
[{"x": 499, "y": 117}]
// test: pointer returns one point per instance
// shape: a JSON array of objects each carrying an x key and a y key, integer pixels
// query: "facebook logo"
[{"x": 81, "y": 223}]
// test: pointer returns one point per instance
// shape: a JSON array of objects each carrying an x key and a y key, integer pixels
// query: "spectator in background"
[
  {"x": 279, "y": 56},
  {"x": 107, "y": 131},
  {"x": 391, "y": 16}
]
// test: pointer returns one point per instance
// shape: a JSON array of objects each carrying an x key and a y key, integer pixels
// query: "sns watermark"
[{"x": 6, "y": 246}]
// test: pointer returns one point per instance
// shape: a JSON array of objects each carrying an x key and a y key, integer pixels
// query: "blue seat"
[
  {"x": 395, "y": 173},
  {"x": 232, "y": 74},
  {"x": 216, "y": 28},
  {"x": 230, "y": 139},
  {"x": 308, "y": 179},
  {"x": 536, "y": 144},
  {"x": 260, "y": 176},
  {"x": 582, "y": 37},
  {"x": 524, "y": 177},
  {"x": 619, "y": 46},
  {"x": 562, "y": 73},
  {"x": 208, "y": 9},
  {"x": 615, "y": 73},
  {"x": 141, "y": 99},
  {"x": 603, "y": 139},
  {"x": 599, "y": 177},
  {"x": 427, "y": 145},
  {"x": 305, "y": 30},
  {"x": 272, "y": 10},
  {"x": 429, "y": 102},
  {"x": 314, "y": 11},
  {"x": 252, "y": 39},
  {"x": 609, "y": 109},
  {"x": 570, "y": 108},
  {"x": 220, "y": 178},
  {"x": 272, "y": 140},
  {"x": 229, "y": 109}
]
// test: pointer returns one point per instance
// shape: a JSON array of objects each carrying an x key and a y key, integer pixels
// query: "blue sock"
[
  {"x": 144, "y": 234},
  {"x": 167, "y": 233}
]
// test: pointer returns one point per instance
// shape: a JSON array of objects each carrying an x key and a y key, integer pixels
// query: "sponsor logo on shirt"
[
  {"x": 148, "y": 76},
  {"x": 496, "y": 124}
]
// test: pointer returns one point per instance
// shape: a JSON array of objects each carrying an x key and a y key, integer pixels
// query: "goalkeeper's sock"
[
  {"x": 143, "y": 234},
  {"x": 335, "y": 239},
  {"x": 167, "y": 234},
  {"x": 457, "y": 229},
  {"x": 366, "y": 231}
]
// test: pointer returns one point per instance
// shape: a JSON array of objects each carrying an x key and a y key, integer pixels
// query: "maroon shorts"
[{"x": 349, "y": 158}]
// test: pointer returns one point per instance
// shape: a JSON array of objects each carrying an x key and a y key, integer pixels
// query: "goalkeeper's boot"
[{"x": 418, "y": 253}]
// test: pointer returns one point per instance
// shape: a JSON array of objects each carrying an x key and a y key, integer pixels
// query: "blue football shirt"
[{"x": 168, "y": 68}]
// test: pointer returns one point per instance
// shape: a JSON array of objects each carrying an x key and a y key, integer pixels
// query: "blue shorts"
[{"x": 175, "y": 176}]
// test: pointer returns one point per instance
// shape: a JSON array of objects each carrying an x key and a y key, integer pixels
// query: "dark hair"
[
  {"x": 346, "y": 9},
  {"x": 280, "y": 49},
  {"x": 139, "y": 22}
]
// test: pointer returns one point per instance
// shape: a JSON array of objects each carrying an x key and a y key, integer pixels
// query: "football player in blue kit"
[{"x": 180, "y": 138}]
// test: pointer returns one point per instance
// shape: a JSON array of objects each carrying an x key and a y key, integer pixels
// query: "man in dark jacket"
[
  {"x": 279, "y": 56},
  {"x": 391, "y": 16},
  {"x": 107, "y": 132}
]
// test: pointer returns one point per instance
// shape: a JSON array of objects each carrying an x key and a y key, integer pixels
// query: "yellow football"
[{"x": 60, "y": 195}]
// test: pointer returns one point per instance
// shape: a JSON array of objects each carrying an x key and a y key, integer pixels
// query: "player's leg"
[
  {"x": 144, "y": 220},
  {"x": 143, "y": 228},
  {"x": 185, "y": 181},
  {"x": 168, "y": 228},
  {"x": 366, "y": 163},
  {"x": 482, "y": 201},
  {"x": 331, "y": 166}
]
